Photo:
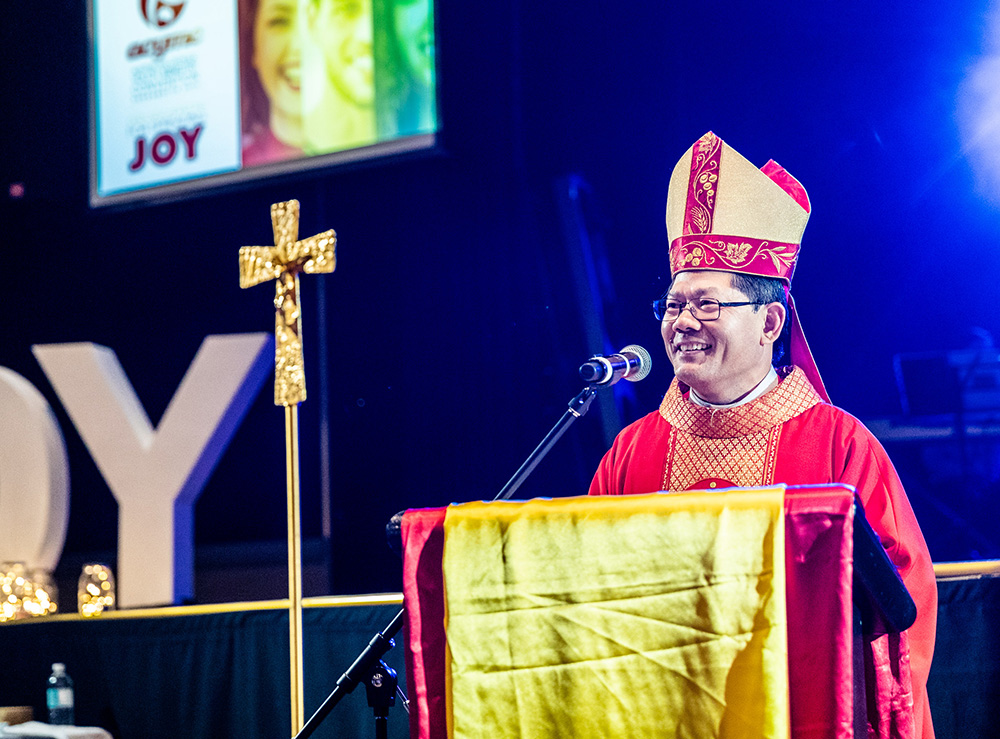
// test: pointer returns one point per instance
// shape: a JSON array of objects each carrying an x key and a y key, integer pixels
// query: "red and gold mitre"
[{"x": 725, "y": 214}]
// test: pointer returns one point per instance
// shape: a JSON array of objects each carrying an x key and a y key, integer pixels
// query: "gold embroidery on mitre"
[
  {"x": 695, "y": 257},
  {"x": 783, "y": 257},
  {"x": 735, "y": 253},
  {"x": 702, "y": 182},
  {"x": 765, "y": 258},
  {"x": 736, "y": 444}
]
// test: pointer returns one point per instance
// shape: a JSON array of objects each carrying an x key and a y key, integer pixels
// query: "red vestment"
[{"x": 789, "y": 435}]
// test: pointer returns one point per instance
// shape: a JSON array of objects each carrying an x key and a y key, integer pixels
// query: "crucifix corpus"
[{"x": 283, "y": 262}]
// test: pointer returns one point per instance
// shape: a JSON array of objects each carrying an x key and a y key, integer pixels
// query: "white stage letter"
[
  {"x": 156, "y": 475},
  {"x": 34, "y": 476}
]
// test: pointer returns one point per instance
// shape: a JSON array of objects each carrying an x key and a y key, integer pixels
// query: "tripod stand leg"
[
  {"x": 378, "y": 646},
  {"x": 381, "y": 689}
]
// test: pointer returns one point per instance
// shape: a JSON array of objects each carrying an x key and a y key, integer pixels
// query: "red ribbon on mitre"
[{"x": 800, "y": 354}]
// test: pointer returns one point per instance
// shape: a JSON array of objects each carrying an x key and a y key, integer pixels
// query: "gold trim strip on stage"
[
  {"x": 324, "y": 601},
  {"x": 943, "y": 571},
  {"x": 956, "y": 570}
]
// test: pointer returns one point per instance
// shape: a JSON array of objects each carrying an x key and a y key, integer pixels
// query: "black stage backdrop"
[{"x": 446, "y": 343}]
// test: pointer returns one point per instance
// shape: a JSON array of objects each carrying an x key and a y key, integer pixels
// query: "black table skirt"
[
  {"x": 198, "y": 676},
  {"x": 226, "y": 674}
]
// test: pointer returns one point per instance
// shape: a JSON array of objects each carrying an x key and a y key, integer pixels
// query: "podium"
[{"x": 743, "y": 612}]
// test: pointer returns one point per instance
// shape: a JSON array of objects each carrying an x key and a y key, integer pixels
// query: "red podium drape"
[{"x": 818, "y": 562}]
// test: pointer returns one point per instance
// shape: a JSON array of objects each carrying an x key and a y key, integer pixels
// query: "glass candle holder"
[
  {"x": 95, "y": 592},
  {"x": 25, "y": 593}
]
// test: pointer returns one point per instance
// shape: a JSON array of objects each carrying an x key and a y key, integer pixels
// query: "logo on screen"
[{"x": 160, "y": 14}]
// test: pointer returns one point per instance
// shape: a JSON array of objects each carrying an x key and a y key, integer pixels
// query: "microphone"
[
  {"x": 394, "y": 533},
  {"x": 632, "y": 363}
]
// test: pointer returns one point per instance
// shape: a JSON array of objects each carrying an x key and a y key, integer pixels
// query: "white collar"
[{"x": 762, "y": 387}]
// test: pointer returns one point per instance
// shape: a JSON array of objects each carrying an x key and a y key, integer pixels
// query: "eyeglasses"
[{"x": 703, "y": 309}]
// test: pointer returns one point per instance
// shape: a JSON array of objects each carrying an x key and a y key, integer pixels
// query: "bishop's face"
[{"x": 724, "y": 359}]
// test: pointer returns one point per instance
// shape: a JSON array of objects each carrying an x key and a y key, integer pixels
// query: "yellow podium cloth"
[{"x": 537, "y": 648}]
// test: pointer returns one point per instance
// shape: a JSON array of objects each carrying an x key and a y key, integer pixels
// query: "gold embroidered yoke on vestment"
[{"x": 730, "y": 447}]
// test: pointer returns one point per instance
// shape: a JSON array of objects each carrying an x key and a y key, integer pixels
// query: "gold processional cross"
[{"x": 283, "y": 262}]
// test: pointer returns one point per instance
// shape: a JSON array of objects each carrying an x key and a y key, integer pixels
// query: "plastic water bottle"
[{"x": 59, "y": 696}]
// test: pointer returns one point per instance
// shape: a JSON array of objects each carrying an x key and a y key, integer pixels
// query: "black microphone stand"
[
  {"x": 577, "y": 407},
  {"x": 368, "y": 666}
]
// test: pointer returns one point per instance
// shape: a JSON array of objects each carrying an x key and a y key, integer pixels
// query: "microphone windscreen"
[
  {"x": 646, "y": 363},
  {"x": 394, "y": 533}
]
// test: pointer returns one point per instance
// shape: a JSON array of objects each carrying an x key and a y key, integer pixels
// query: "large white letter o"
[{"x": 34, "y": 476}]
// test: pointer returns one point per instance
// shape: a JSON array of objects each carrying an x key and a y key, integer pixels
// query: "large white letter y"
[{"x": 156, "y": 475}]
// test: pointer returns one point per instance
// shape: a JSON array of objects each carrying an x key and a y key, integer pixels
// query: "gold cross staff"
[{"x": 283, "y": 262}]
